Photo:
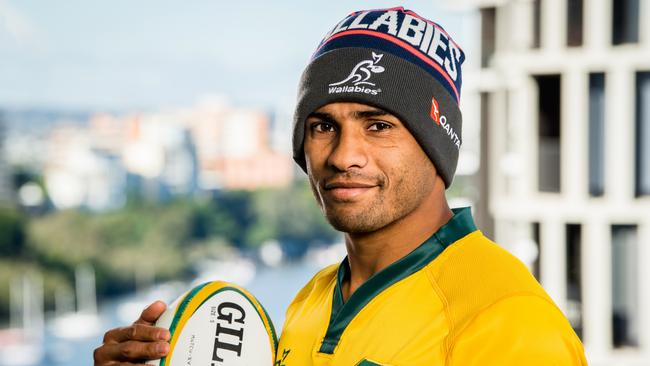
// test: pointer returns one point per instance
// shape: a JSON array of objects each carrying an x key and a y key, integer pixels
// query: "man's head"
[
  {"x": 365, "y": 168},
  {"x": 395, "y": 60},
  {"x": 378, "y": 110}
]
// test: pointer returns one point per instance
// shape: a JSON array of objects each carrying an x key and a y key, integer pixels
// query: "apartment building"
[{"x": 562, "y": 92}]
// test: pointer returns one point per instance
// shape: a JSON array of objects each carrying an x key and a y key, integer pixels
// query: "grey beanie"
[{"x": 395, "y": 60}]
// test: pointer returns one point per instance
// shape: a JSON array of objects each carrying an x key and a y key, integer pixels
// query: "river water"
[{"x": 273, "y": 287}]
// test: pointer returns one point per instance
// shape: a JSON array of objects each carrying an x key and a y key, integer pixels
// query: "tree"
[{"x": 12, "y": 233}]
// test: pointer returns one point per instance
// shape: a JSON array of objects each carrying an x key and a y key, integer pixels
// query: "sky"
[{"x": 149, "y": 54}]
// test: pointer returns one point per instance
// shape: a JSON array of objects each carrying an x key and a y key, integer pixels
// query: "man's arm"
[{"x": 518, "y": 330}]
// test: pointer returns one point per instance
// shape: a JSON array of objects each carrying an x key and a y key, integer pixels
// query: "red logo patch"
[{"x": 435, "y": 111}]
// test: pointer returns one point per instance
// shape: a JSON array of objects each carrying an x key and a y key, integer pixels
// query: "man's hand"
[{"x": 133, "y": 345}]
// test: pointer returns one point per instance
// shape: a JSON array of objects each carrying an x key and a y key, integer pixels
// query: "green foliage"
[
  {"x": 233, "y": 216},
  {"x": 160, "y": 239},
  {"x": 118, "y": 244},
  {"x": 289, "y": 215},
  {"x": 247, "y": 219},
  {"x": 12, "y": 233}
]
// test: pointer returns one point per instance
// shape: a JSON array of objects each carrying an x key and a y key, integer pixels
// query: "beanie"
[{"x": 395, "y": 60}]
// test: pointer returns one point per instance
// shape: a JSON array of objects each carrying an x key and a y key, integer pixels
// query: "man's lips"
[
  {"x": 345, "y": 191},
  {"x": 334, "y": 185}
]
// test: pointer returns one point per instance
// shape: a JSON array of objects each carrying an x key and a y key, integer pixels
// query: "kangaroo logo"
[{"x": 363, "y": 71}]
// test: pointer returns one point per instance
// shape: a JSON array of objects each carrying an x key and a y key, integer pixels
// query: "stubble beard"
[{"x": 357, "y": 218}]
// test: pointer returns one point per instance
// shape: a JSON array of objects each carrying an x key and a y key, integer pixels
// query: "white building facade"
[{"x": 562, "y": 90}]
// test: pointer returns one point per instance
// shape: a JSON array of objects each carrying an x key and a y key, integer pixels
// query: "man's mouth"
[{"x": 347, "y": 190}]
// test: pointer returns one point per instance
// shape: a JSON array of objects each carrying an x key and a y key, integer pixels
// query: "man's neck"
[{"x": 369, "y": 253}]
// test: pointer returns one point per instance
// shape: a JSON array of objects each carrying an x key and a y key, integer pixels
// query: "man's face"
[{"x": 365, "y": 168}]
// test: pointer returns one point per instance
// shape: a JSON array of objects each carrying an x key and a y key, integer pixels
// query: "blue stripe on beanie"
[{"x": 404, "y": 34}]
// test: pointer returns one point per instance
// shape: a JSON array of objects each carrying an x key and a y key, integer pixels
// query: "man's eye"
[
  {"x": 322, "y": 127},
  {"x": 379, "y": 126}
]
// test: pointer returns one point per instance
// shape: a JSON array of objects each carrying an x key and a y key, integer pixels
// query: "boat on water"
[
  {"x": 84, "y": 322},
  {"x": 22, "y": 343},
  {"x": 19, "y": 348}
]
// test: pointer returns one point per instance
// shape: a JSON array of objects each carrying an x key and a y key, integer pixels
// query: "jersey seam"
[
  {"x": 445, "y": 304},
  {"x": 442, "y": 259},
  {"x": 488, "y": 306}
]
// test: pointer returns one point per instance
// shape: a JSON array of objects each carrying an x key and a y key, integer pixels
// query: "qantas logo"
[
  {"x": 359, "y": 78},
  {"x": 441, "y": 121}
]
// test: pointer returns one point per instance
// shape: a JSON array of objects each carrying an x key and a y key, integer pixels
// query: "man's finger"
[
  {"x": 136, "y": 332},
  {"x": 151, "y": 313},
  {"x": 131, "y": 351}
]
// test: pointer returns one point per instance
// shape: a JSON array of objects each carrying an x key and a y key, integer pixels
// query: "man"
[{"x": 377, "y": 129}]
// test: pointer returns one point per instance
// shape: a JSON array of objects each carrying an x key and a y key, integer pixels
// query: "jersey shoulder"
[
  {"x": 518, "y": 330},
  {"x": 318, "y": 284},
  {"x": 474, "y": 273}
]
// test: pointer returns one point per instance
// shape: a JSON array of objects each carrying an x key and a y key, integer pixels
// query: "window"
[
  {"x": 482, "y": 205},
  {"x": 536, "y": 237},
  {"x": 625, "y": 289},
  {"x": 642, "y": 133},
  {"x": 574, "y": 276},
  {"x": 625, "y": 21},
  {"x": 488, "y": 35},
  {"x": 596, "y": 134},
  {"x": 537, "y": 23},
  {"x": 574, "y": 23},
  {"x": 549, "y": 132}
]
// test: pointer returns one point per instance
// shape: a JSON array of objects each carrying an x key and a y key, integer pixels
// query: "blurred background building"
[
  {"x": 161, "y": 155},
  {"x": 562, "y": 92}
]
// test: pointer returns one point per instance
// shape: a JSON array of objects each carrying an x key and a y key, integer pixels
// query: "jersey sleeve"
[{"x": 518, "y": 330}]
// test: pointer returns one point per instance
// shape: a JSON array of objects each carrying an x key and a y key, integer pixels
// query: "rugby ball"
[{"x": 218, "y": 323}]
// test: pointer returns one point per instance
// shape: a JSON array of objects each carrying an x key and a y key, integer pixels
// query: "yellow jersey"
[{"x": 457, "y": 299}]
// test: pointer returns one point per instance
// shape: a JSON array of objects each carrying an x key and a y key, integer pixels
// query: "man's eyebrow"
[
  {"x": 322, "y": 116},
  {"x": 370, "y": 113},
  {"x": 365, "y": 114}
]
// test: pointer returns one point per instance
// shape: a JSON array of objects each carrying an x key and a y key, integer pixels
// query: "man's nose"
[{"x": 349, "y": 151}]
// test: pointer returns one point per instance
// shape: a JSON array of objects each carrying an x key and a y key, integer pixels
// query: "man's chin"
[{"x": 354, "y": 223}]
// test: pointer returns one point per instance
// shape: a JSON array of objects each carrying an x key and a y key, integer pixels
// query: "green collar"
[{"x": 458, "y": 226}]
